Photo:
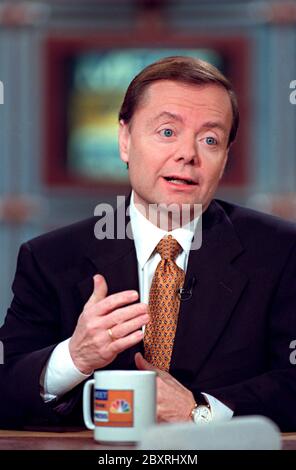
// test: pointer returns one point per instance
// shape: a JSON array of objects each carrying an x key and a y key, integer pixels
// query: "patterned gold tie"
[{"x": 164, "y": 304}]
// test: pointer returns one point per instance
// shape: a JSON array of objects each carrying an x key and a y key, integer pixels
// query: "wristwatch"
[{"x": 201, "y": 412}]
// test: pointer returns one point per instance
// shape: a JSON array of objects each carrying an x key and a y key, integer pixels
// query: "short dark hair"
[{"x": 179, "y": 69}]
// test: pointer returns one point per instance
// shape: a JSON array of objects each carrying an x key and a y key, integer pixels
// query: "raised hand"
[{"x": 107, "y": 326}]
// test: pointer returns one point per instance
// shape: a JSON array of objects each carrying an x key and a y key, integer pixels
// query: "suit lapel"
[
  {"x": 202, "y": 318},
  {"x": 116, "y": 260},
  {"x": 219, "y": 285}
]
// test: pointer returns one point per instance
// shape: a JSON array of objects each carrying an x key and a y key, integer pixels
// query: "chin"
[{"x": 182, "y": 199}]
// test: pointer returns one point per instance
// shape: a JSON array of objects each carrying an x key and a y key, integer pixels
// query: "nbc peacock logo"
[{"x": 120, "y": 406}]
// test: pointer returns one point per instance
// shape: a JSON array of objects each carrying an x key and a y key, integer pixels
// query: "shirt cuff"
[
  {"x": 60, "y": 374},
  {"x": 219, "y": 411}
]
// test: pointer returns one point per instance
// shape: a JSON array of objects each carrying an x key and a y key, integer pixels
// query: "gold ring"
[{"x": 110, "y": 334}]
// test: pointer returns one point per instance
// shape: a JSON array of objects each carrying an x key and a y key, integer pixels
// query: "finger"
[
  {"x": 114, "y": 301},
  {"x": 122, "y": 315},
  {"x": 126, "y": 328},
  {"x": 142, "y": 364},
  {"x": 99, "y": 292},
  {"x": 122, "y": 344}
]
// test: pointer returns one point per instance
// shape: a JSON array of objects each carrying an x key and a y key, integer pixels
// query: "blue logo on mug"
[{"x": 101, "y": 394}]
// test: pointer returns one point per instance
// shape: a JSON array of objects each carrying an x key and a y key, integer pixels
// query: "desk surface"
[
  {"x": 28, "y": 440},
  {"x": 81, "y": 440}
]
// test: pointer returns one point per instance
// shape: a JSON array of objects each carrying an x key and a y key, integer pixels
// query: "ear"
[{"x": 123, "y": 140}]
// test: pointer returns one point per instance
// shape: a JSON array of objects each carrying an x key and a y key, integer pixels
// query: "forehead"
[{"x": 188, "y": 99}]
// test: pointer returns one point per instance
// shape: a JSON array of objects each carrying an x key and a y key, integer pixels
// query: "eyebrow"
[
  {"x": 167, "y": 114},
  {"x": 178, "y": 117},
  {"x": 214, "y": 125}
]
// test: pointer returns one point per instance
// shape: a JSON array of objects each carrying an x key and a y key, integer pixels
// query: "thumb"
[
  {"x": 100, "y": 290},
  {"x": 142, "y": 364}
]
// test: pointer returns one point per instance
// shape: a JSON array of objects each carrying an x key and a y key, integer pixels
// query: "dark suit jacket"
[{"x": 233, "y": 336}]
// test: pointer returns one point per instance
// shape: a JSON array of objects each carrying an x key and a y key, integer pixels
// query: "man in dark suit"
[{"x": 76, "y": 304}]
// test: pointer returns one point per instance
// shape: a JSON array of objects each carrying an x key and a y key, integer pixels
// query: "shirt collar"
[{"x": 147, "y": 235}]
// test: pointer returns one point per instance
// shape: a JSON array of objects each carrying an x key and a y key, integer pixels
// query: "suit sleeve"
[
  {"x": 30, "y": 333},
  {"x": 272, "y": 394}
]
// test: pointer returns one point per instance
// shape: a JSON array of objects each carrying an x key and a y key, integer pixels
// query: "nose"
[{"x": 188, "y": 151}]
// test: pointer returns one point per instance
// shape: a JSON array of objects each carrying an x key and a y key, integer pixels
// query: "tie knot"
[{"x": 168, "y": 248}]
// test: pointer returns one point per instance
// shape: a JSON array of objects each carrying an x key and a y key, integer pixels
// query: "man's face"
[{"x": 177, "y": 143}]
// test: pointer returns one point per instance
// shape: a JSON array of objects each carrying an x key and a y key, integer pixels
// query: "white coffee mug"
[{"x": 124, "y": 405}]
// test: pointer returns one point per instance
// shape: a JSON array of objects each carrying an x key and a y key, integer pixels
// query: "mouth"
[{"x": 178, "y": 180}]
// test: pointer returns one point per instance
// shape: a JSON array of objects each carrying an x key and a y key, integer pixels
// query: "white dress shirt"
[{"x": 60, "y": 374}]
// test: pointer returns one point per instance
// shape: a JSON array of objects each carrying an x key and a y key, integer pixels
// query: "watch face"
[{"x": 202, "y": 414}]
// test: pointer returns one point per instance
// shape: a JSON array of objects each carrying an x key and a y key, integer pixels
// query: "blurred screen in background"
[{"x": 97, "y": 83}]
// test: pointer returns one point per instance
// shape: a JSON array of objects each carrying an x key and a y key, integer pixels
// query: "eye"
[
  {"x": 166, "y": 132},
  {"x": 211, "y": 141}
]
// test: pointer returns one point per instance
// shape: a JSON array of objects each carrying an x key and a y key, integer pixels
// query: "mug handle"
[{"x": 86, "y": 408}]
